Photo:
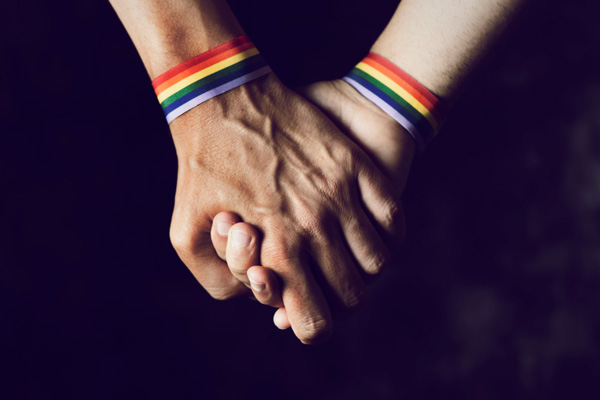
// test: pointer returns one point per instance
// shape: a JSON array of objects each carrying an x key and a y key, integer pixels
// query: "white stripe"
[
  {"x": 389, "y": 110},
  {"x": 185, "y": 107}
]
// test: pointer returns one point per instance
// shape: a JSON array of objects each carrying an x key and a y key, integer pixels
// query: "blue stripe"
[
  {"x": 422, "y": 124},
  {"x": 251, "y": 66}
]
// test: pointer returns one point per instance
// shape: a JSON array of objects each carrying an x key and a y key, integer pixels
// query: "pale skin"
[{"x": 439, "y": 43}]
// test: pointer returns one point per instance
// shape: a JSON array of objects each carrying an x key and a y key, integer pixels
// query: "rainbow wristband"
[
  {"x": 207, "y": 75},
  {"x": 399, "y": 95}
]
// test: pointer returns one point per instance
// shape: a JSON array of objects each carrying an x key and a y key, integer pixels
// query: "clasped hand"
[{"x": 316, "y": 184}]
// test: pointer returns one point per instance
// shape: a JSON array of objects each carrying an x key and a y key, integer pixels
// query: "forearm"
[
  {"x": 441, "y": 43},
  {"x": 168, "y": 32}
]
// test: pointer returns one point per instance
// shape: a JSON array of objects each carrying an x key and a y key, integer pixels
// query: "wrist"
[
  {"x": 208, "y": 75},
  {"x": 399, "y": 95},
  {"x": 174, "y": 48},
  {"x": 218, "y": 115},
  {"x": 167, "y": 33},
  {"x": 393, "y": 144}
]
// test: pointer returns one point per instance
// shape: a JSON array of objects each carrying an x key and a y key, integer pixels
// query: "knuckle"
[
  {"x": 279, "y": 252},
  {"x": 309, "y": 221},
  {"x": 354, "y": 299},
  {"x": 350, "y": 158},
  {"x": 377, "y": 262},
  {"x": 392, "y": 214},
  {"x": 315, "y": 330},
  {"x": 335, "y": 187},
  {"x": 308, "y": 217},
  {"x": 221, "y": 294},
  {"x": 183, "y": 240}
]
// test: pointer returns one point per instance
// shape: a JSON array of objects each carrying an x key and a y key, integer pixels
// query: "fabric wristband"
[
  {"x": 398, "y": 94},
  {"x": 207, "y": 75}
]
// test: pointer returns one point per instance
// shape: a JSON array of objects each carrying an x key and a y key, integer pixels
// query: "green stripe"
[
  {"x": 206, "y": 80},
  {"x": 395, "y": 96}
]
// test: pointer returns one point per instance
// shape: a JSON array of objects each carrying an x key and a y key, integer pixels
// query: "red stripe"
[
  {"x": 406, "y": 77},
  {"x": 400, "y": 80},
  {"x": 198, "y": 59},
  {"x": 202, "y": 65}
]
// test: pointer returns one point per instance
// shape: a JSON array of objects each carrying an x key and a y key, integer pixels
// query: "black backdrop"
[{"x": 496, "y": 294}]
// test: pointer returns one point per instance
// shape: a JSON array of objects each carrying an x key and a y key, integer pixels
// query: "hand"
[
  {"x": 389, "y": 145},
  {"x": 268, "y": 155}
]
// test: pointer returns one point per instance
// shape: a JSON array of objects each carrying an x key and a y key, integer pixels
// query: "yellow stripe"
[
  {"x": 205, "y": 72},
  {"x": 400, "y": 91}
]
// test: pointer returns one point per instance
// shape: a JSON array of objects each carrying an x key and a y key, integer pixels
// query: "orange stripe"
[
  {"x": 198, "y": 67},
  {"x": 400, "y": 72},
  {"x": 409, "y": 88},
  {"x": 199, "y": 58},
  {"x": 418, "y": 95}
]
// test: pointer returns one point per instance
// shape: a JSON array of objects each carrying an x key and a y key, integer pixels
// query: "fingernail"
[
  {"x": 223, "y": 227},
  {"x": 241, "y": 239},
  {"x": 257, "y": 287}
]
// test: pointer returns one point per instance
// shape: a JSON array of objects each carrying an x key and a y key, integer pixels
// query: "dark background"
[{"x": 497, "y": 291}]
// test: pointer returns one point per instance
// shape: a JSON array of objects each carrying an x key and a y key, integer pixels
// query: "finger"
[
  {"x": 195, "y": 249},
  {"x": 219, "y": 231},
  {"x": 242, "y": 250},
  {"x": 262, "y": 281},
  {"x": 280, "y": 319},
  {"x": 265, "y": 286},
  {"x": 381, "y": 201},
  {"x": 365, "y": 243},
  {"x": 306, "y": 308},
  {"x": 338, "y": 273}
]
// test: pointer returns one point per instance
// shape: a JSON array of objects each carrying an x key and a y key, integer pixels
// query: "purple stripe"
[
  {"x": 217, "y": 91},
  {"x": 405, "y": 123}
]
